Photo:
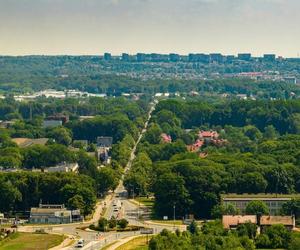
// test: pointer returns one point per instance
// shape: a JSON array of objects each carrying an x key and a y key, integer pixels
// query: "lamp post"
[
  {"x": 138, "y": 212},
  {"x": 174, "y": 215}
]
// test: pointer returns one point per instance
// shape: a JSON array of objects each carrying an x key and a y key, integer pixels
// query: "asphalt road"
[{"x": 129, "y": 210}]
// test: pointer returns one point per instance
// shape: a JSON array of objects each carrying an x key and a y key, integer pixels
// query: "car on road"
[
  {"x": 80, "y": 243},
  {"x": 117, "y": 204}
]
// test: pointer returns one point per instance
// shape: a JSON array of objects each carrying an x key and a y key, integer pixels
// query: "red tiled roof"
[
  {"x": 234, "y": 220},
  {"x": 166, "y": 138},
  {"x": 210, "y": 134},
  {"x": 203, "y": 155},
  {"x": 273, "y": 220}
]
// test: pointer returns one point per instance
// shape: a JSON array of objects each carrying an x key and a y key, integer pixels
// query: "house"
[
  {"x": 232, "y": 221},
  {"x": 219, "y": 142},
  {"x": 242, "y": 96},
  {"x": 86, "y": 117},
  {"x": 50, "y": 214},
  {"x": 58, "y": 117},
  {"x": 203, "y": 155},
  {"x": 267, "y": 220},
  {"x": 273, "y": 201},
  {"x": 102, "y": 155},
  {"x": 9, "y": 170},
  {"x": 6, "y": 124},
  {"x": 63, "y": 168},
  {"x": 4, "y": 220},
  {"x": 52, "y": 123},
  {"x": 27, "y": 142},
  {"x": 207, "y": 136},
  {"x": 166, "y": 138},
  {"x": 104, "y": 141},
  {"x": 196, "y": 146},
  {"x": 104, "y": 144}
]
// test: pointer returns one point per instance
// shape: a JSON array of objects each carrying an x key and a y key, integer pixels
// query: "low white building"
[
  {"x": 63, "y": 168},
  {"x": 50, "y": 214}
]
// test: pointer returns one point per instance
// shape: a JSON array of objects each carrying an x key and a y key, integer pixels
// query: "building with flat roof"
[
  {"x": 216, "y": 57},
  {"x": 107, "y": 56},
  {"x": 273, "y": 201},
  {"x": 269, "y": 57},
  {"x": 7, "y": 124},
  {"x": 174, "y": 57},
  {"x": 27, "y": 142},
  {"x": 50, "y": 214},
  {"x": 63, "y": 168},
  {"x": 244, "y": 56},
  {"x": 52, "y": 123}
]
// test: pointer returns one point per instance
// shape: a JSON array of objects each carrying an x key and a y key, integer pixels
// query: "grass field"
[
  {"x": 29, "y": 241},
  {"x": 146, "y": 202},
  {"x": 108, "y": 246},
  {"x": 169, "y": 222},
  {"x": 139, "y": 243}
]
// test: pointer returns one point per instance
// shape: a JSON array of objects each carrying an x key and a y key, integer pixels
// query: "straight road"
[{"x": 130, "y": 211}]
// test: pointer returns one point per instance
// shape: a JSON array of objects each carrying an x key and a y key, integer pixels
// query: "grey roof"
[
  {"x": 104, "y": 141},
  {"x": 258, "y": 199}
]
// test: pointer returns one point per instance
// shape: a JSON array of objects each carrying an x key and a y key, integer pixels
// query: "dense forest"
[
  {"x": 261, "y": 154},
  {"x": 118, "y": 117}
]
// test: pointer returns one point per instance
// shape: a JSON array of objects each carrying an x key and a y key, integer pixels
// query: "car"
[{"x": 80, "y": 243}]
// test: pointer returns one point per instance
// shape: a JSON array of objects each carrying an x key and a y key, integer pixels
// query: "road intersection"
[{"x": 135, "y": 214}]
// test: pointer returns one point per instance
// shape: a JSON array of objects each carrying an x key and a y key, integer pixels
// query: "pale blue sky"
[{"x": 182, "y": 26}]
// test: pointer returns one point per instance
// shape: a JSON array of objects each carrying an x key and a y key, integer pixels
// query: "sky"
[{"x": 80, "y": 27}]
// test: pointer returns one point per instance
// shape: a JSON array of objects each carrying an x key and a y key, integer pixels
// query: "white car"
[{"x": 80, "y": 243}]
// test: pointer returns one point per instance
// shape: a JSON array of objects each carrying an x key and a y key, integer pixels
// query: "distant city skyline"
[{"x": 93, "y": 27}]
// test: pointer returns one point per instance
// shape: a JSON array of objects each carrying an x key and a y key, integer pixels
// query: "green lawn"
[
  {"x": 108, "y": 246},
  {"x": 146, "y": 202},
  {"x": 29, "y": 241},
  {"x": 169, "y": 222},
  {"x": 139, "y": 243}
]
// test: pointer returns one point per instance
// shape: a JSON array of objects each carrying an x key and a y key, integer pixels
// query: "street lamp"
[{"x": 174, "y": 215}]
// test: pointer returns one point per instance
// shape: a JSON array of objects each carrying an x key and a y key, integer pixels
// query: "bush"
[
  {"x": 92, "y": 227},
  {"x": 102, "y": 224},
  {"x": 112, "y": 222},
  {"x": 123, "y": 223}
]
